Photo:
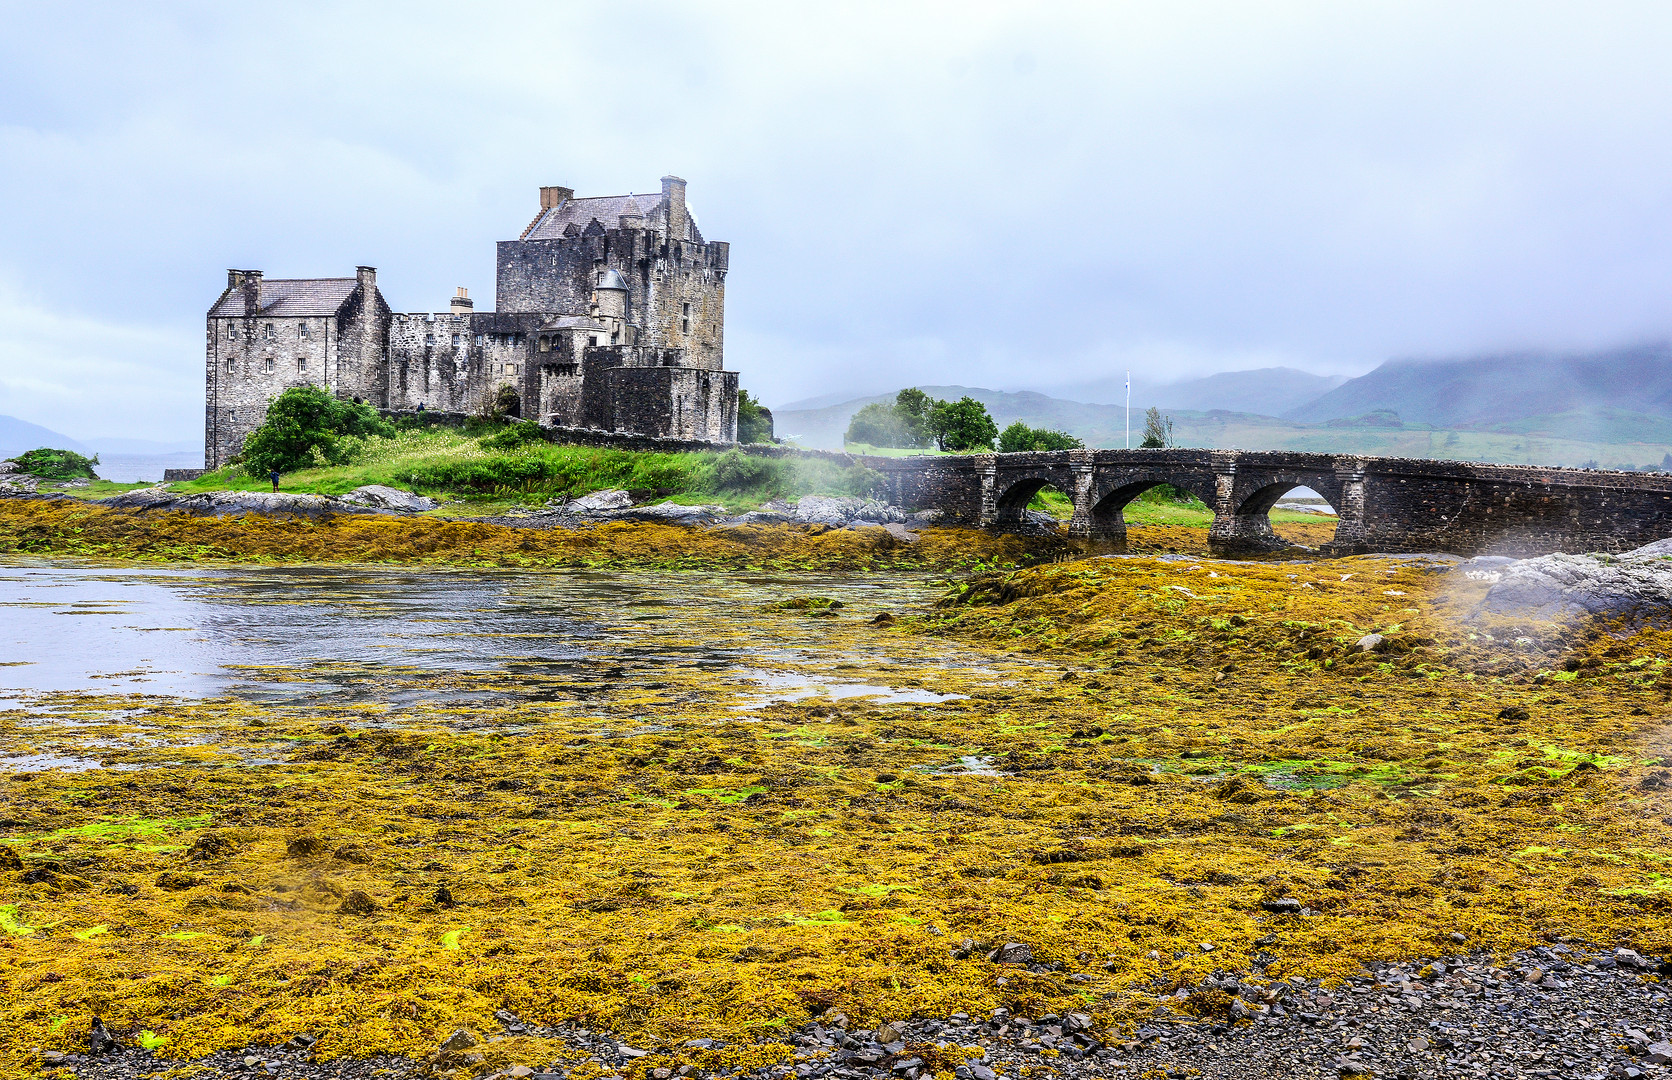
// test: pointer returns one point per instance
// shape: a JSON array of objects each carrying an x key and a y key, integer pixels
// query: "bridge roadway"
[{"x": 1384, "y": 504}]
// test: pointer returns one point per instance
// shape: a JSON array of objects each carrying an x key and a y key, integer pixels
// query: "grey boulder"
[
  {"x": 1560, "y": 586},
  {"x": 379, "y": 497},
  {"x": 599, "y": 501}
]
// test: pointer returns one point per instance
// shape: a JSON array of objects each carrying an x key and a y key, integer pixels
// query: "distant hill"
[
  {"x": 1633, "y": 440},
  {"x": 1617, "y": 396},
  {"x": 20, "y": 437},
  {"x": 1266, "y": 391}
]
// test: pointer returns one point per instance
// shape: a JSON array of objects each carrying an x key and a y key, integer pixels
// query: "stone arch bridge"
[{"x": 1384, "y": 504}]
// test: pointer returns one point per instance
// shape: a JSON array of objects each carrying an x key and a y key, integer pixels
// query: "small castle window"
[
  {"x": 594, "y": 341},
  {"x": 232, "y": 331},
  {"x": 302, "y": 330},
  {"x": 229, "y": 363},
  {"x": 267, "y": 365},
  {"x": 456, "y": 341},
  {"x": 478, "y": 341},
  {"x": 267, "y": 331},
  {"x": 301, "y": 363},
  {"x": 429, "y": 339},
  {"x": 545, "y": 344},
  {"x": 684, "y": 318}
]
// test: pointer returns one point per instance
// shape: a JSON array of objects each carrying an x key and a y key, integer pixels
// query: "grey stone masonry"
[
  {"x": 592, "y": 295},
  {"x": 1384, "y": 504}
]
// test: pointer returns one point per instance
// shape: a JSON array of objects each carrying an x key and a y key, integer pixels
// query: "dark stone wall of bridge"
[{"x": 1384, "y": 504}]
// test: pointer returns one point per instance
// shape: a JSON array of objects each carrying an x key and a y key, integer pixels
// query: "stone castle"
[{"x": 611, "y": 315}]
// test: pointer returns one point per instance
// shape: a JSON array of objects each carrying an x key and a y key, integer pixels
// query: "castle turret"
[{"x": 610, "y": 294}]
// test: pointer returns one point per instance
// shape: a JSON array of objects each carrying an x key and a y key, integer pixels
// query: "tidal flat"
[{"x": 376, "y": 803}]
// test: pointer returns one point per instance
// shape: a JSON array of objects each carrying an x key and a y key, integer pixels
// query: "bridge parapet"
[{"x": 1384, "y": 504}]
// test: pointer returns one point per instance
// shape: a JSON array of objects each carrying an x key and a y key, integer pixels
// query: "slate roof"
[
  {"x": 294, "y": 297},
  {"x": 607, "y": 209}
]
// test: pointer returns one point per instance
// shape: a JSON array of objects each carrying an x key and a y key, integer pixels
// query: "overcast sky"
[{"x": 1018, "y": 196}]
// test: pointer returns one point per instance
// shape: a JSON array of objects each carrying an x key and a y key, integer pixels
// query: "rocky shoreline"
[
  {"x": 597, "y": 508},
  {"x": 1554, "y": 1011}
]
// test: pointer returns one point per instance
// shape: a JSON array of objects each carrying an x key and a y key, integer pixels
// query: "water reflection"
[{"x": 400, "y": 635}]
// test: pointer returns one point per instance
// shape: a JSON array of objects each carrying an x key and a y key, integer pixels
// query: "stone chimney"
[
  {"x": 673, "y": 190},
  {"x": 462, "y": 304},
  {"x": 250, "y": 282},
  {"x": 553, "y": 197}
]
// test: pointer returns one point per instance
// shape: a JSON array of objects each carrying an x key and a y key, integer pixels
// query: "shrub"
[
  {"x": 304, "y": 424},
  {"x": 515, "y": 436},
  {"x": 754, "y": 420},
  {"x": 737, "y": 471},
  {"x": 50, "y": 464}
]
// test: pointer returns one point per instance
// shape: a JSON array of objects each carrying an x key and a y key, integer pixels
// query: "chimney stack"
[
  {"x": 462, "y": 304},
  {"x": 250, "y": 282},
  {"x": 673, "y": 190},
  {"x": 553, "y": 197}
]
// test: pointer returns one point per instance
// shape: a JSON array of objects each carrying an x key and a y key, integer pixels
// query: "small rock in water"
[{"x": 1370, "y": 643}]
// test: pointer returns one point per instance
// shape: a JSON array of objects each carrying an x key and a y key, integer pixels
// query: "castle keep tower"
[{"x": 610, "y": 315}]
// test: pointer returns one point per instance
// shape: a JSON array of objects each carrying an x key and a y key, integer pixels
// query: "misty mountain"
[
  {"x": 1265, "y": 391},
  {"x": 1610, "y": 396},
  {"x": 20, "y": 437}
]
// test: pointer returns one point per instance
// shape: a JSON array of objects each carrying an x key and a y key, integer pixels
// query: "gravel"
[{"x": 1555, "y": 1011}]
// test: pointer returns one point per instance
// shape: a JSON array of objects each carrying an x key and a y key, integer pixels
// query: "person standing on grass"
[{"x": 274, "y": 476}]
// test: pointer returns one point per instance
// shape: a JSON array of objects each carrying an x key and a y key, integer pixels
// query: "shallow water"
[{"x": 290, "y": 635}]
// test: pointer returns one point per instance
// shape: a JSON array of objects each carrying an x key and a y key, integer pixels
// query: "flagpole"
[{"x": 1129, "y": 410}]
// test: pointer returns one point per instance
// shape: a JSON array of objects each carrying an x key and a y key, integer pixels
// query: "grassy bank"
[
  {"x": 1145, "y": 753},
  {"x": 506, "y": 466}
]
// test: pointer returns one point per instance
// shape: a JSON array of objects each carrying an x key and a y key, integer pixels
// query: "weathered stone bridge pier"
[{"x": 1384, "y": 504}]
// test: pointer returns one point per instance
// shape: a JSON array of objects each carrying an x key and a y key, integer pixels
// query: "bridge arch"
[
  {"x": 1245, "y": 523},
  {"x": 1014, "y": 487},
  {"x": 1113, "y": 489}
]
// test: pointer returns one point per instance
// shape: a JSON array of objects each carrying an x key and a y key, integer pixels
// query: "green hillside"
[{"x": 1610, "y": 439}]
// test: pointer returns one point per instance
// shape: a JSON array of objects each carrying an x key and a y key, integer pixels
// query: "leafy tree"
[
  {"x": 1018, "y": 438},
  {"x": 754, "y": 420},
  {"x": 962, "y": 425},
  {"x": 50, "y": 464},
  {"x": 1158, "y": 430},
  {"x": 304, "y": 424},
  {"x": 913, "y": 407}
]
